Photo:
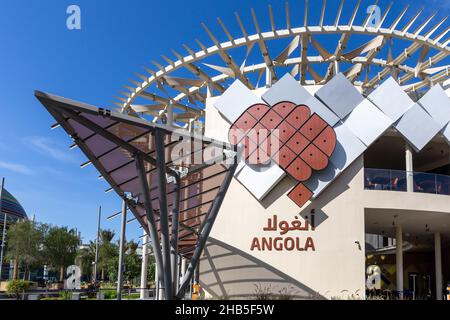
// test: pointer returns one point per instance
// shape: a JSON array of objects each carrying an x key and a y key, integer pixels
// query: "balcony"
[{"x": 395, "y": 180}]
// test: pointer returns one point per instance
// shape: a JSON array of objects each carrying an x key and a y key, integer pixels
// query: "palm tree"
[
  {"x": 106, "y": 249},
  {"x": 85, "y": 259}
]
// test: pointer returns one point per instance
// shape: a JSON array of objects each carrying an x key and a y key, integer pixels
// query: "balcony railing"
[{"x": 395, "y": 180}]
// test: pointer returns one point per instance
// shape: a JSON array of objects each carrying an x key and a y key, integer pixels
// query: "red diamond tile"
[
  {"x": 326, "y": 141},
  {"x": 313, "y": 127},
  {"x": 284, "y": 131},
  {"x": 258, "y": 111},
  {"x": 284, "y": 108},
  {"x": 245, "y": 122},
  {"x": 249, "y": 147},
  {"x": 298, "y": 116},
  {"x": 271, "y": 120},
  {"x": 300, "y": 195},
  {"x": 259, "y": 156},
  {"x": 258, "y": 133},
  {"x": 284, "y": 157},
  {"x": 236, "y": 135},
  {"x": 315, "y": 158},
  {"x": 299, "y": 170},
  {"x": 298, "y": 143}
]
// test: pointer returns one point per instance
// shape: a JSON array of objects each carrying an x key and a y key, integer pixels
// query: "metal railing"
[{"x": 395, "y": 180}]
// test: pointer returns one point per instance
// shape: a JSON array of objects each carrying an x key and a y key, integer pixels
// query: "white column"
[
  {"x": 409, "y": 168},
  {"x": 144, "y": 268},
  {"x": 399, "y": 260},
  {"x": 438, "y": 264},
  {"x": 156, "y": 282}
]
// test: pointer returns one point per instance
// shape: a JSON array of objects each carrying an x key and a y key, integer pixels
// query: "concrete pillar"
[
  {"x": 399, "y": 260},
  {"x": 438, "y": 264},
  {"x": 409, "y": 168},
  {"x": 144, "y": 268}
]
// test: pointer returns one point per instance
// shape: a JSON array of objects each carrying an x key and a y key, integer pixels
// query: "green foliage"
[
  {"x": 65, "y": 295},
  {"x": 17, "y": 287},
  {"x": 24, "y": 241},
  {"x": 110, "y": 294},
  {"x": 60, "y": 247},
  {"x": 85, "y": 259}
]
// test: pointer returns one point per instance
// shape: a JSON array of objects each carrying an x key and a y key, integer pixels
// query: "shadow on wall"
[{"x": 229, "y": 273}]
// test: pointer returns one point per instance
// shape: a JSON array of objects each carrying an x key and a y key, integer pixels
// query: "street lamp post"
[
  {"x": 121, "y": 250},
  {"x": 4, "y": 228},
  {"x": 97, "y": 243}
]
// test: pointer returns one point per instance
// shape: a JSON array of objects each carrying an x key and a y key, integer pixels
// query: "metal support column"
[
  {"x": 149, "y": 214},
  {"x": 163, "y": 218},
  {"x": 144, "y": 267},
  {"x": 438, "y": 265},
  {"x": 121, "y": 250},
  {"x": 399, "y": 260},
  {"x": 174, "y": 239},
  {"x": 2, "y": 186},
  {"x": 97, "y": 244},
  {"x": 209, "y": 222}
]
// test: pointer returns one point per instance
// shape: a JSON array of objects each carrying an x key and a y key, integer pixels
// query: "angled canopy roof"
[{"x": 111, "y": 142}]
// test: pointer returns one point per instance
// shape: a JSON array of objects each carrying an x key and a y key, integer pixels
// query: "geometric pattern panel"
[
  {"x": 288, "y": 89},
  {"x": 418, "y": 127},
  {"x": 260, "y": 180},
  {"x": 306, "y": 147},
  {"x": 446, "y": 133},
  {"x": 235, "y": 100},
  {"x": 367, "y": 122},
  {"x": 349, "y": 147},
  {"x": 340, "y": 95},
  {"x": 390, "y": 98},
  {"x": 437, "y": 104}
]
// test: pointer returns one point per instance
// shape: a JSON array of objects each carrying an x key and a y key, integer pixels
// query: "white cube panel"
[
  {"x": 390, "y": 98},
  {"x": 235, "y": 100},
  {"x": 288, "y": 89},
  {"x": 340, "y": 96},
  {"x": 322, "y": 179},
  {"x": 259, "y": 181},
  {"x": 417, "y": 127},
  {"x": 367, "y": 122},
  {"x": 446, "y": 132},
  {"x": 437, "y": 104},
  {"x": 348, "y": 147}
]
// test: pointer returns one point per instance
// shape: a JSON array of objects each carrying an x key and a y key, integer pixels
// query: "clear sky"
[{"x": 90, "y": 65}]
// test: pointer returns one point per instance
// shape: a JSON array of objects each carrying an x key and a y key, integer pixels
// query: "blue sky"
[{"x": 90, "y": 65}]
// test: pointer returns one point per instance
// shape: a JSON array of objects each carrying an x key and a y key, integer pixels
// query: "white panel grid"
[
  {"x": 235, "y": 100},
  {"x": 446, "y": 133},
  {"x": 288, "y": 89},
  {"x": 418, "y": 127},
  {"x": 340, "y": 96},
  {"x": 390, "y": 98},
  {"x": 260, "y": 181},
  {"x": 367, "y": 122},
  {"x": 437, "y": 104}
]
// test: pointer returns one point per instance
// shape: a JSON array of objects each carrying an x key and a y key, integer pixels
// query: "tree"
[
  {"x": 108, "y": 251},
  {"x": 132, "y": 261},
  {"x": 85, "y": 259},
  {"x": 60, "y": 248},
  {"x": 24, "y": 241}
]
